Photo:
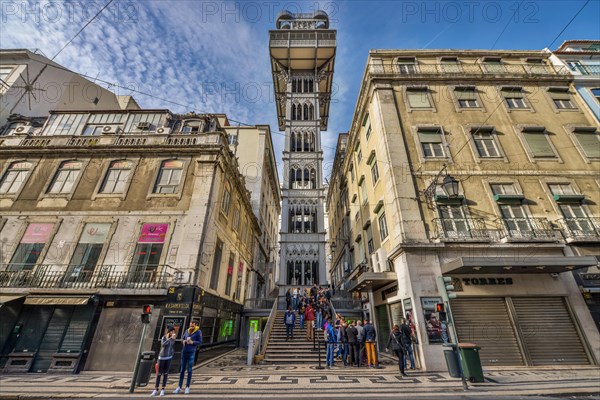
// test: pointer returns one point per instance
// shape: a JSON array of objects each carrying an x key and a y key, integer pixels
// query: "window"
[
  {"x": 64, "y": 124},
  {"x": 485, "y": 142},
  {"x": 538, "y": 142},
  {"x": 407, "y": 66},
  {"x": 169, "y": 177},
  {"x": 453, "y": 219},
  {"x": 15, "y": 176},
  {"x": 450, "y": 65},
  {"x": 87, "y": 252},
  {"x": 493, "y": 65},
  {"x": 588, "y": 140},
  {"x": 226, "y": 202},
  {"x": 4, "y": 74},
  {"x": 374, "y": 169},
  {"x": 116, "y": 177},
  {"x": 418, "y": 97},
  {"x": 148, "y": 251},
  {"x": 351, "y": 168},
  {"x": 363, "y": 191},
  {"x": 103, "y": 123},
  {"x": 65, "y": 177},
  {"x": 236, "y": 217},
  {"x": 229, "y": 273},
  {"x": 216, "y": 268},
  {"x": 513, "y": 212},
  {"x": 30, "y": 248},
  {"x": 536, "y": 66},
  {"x": 561, "y": 98},
  {"x": 431, "y": 142},
  {"x": 383, "y": 230},
  {"x": 561, "y": 188},
  {"x": 596, "y": 94},
  {"x": 513, "y": 96},
  {"x": 575, "y": 217},
  {"x": 359, "y": 156},
  {"x": 368, "y": 133},
  {"x": 240, "y": 275},
  {"x": 466, "y": 97}
]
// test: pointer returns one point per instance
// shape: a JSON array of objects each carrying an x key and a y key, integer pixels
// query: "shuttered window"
[
  {"x": 538, "y": 143},
  {"x": 588, "y": 141},
  {"x": 467, "y": 97},
  {"x": 561, "y": 98},
  {"x": 418, "y": 98},
  {"x": 431, "y": 142}
]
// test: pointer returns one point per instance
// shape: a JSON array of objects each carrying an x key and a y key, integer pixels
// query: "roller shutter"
[
  {"x": 486, "y": 322},
  {"x": 549, "y": 332}
]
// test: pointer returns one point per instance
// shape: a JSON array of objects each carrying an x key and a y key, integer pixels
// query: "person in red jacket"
[{"x": 309, "y": 317}]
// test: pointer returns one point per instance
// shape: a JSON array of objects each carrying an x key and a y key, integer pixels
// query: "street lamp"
[{"x": 449, "y": 185}]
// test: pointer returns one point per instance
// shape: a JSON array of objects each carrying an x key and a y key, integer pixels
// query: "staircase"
[{"x": 297, "y": 351}]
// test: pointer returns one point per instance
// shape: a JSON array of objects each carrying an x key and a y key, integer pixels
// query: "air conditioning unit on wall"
[
  {"x": 23, "y": 130},
  {"x": 110, "y": 130},
  {"x": 163, "y": 130}
]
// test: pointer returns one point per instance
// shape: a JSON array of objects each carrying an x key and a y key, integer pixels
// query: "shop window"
[{"x": 216, "y": 268}]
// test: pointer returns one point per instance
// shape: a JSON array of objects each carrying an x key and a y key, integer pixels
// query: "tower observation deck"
[{"x": 302, "y": 51}]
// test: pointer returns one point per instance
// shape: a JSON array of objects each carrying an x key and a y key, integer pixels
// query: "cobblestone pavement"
[{"x": 229, "y": 378}]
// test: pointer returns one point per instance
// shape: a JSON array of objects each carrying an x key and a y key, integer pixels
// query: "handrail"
[{"x": 267, "y": 331}]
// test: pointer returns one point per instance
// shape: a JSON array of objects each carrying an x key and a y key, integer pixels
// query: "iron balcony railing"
[
  {"x": 527, "y": 229},
  {"x": 478, "y": 69},
  {"x": 259, "y": 304},
  {"x": 581, "y": 228},
  {"x": 76, "y": 277},
  {"x": 461, "y": 229}
]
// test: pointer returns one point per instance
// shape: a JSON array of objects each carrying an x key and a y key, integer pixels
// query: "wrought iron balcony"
[
  {"x": 75, "y": 277},
  {"x": 461, "y": 230},
  {"x": 527, "y": 230},
  {"x": 582, "y": 229},
  {"x": 470, "y": 69}
]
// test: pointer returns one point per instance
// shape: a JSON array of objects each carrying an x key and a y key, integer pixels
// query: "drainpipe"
[{"x": 205, "y": 227}]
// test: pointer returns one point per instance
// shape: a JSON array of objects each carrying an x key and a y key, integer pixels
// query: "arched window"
[
  {"x": 293, "y": 141},
  {"x": 313, "y": 179},
  {"x": 312, "y": 141},
  {"x": 306, "y": 178},
  {"x": 15, "y": 176},
  {"x": 305, "y": 113},
  {"x": 65, "y": 178},
  {"x": 311, "y": 112},
  {"x": 169, "y": 177},
  {"x": 298, "y": 178},
  {"x": 306, "y": 86},
  {"x": 307, "y": 141},
  {"x": 116, "y": 177},
  {"x": 292, "y": 177}
]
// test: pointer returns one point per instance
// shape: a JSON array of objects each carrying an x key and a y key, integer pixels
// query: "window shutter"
[
  {"x": 512, "y": 93},
  {"x": 538, "y": 143},
  {"x": 589, "y": 143},
  {"x": 418, "y": 99},
  {"x": 465, "y": 93},
  {"x": 559, "y": 94},
  {"x": 430, "y": 136}
]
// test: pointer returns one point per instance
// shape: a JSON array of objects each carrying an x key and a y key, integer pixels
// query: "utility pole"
[{"x": 146, "y": 316}]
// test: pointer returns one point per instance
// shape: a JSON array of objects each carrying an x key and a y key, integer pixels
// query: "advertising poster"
[
  {"x": 434, "y": 327},
  {"x": 153, "y": 233}
]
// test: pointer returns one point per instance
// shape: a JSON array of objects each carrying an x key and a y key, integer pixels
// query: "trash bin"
[
  {"x": 471, "y": 363},
  {"x": 452, "y": 362},
  {"x": 145, "y": 369}
]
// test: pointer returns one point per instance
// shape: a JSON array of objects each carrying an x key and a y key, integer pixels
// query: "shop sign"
[
  {"x": 37, "y": 233},
  {"x": 390, "y": 290},
  {"x": 153, "y": 233},
  {"x": 177, "y": 308},
  {"x": 487, "y": 281},
  {"x": 590, "y": 277}
]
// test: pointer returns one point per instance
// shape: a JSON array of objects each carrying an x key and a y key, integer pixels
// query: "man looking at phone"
[{"x": 192, "y": 338}]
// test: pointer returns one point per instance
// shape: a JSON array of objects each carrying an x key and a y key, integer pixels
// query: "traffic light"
[
  {"x": 446, "y": 288},
  {"x": 146, "y": 313},
  {"x": 441, "y": 310},
  {"x": 439, "y": 307}
]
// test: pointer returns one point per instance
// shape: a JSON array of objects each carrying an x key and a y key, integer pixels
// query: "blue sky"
[{"x": 212, "y": 56}]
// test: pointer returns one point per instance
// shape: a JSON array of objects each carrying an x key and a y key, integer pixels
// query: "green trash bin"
[{"x": 471, "y": 363}]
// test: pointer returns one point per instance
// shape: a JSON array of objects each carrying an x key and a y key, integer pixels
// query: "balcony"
[
  {"x": 52, "y": 276},
  {"x": 364, "y": 279},
  {"x": 461, "y": 230},
  {"x": 582, "y": 69},
  {"x": 582, "y": 229},
  {"x": 467, "y": 70},
  {"x": 527, "y": 230}
]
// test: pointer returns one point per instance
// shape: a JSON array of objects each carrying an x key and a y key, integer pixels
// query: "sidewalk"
[{"x": 228, "y": 377}]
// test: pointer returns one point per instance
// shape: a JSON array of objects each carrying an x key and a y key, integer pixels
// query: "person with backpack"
[
  {"x": 192, "y": 338},
  {"x": 330, "y": 340},
  {"x": 289, "y": 320},
  {"x": 344, "y": 342},
  {"x": 398, "y": 347},
  {"x": 165, "y": 356}
]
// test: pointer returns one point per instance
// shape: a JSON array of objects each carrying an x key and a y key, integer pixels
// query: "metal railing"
[
  {"x": 581, "y": 228},
  {"x": 467, "y": 69},
  {"x": 268, "y": 327},
  {"x": 527, "y": 229},
  {"x": 74, "y": 276},
  {"x": 461, "y": 229},
  {"x": 258, "y": 304}
]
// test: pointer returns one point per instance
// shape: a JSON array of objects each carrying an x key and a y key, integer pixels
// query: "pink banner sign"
[
  {"x": 37, "y": 233},
  {"x": 240, "y": 267},
  {"x": 153, "y": 233}
]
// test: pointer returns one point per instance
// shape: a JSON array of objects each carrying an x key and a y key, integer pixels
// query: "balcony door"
[
  {"x": 87, "y": 253},
  {"x": 454, "y": 220},
  {"x": 148, "y": 251},
  {"x": 516, "y": 220},
  {"x": 30, "y": 248},
  {"x": 577, "y": 219}
]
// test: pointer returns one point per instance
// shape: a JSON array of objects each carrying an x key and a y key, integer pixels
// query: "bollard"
[
  {"x": 377, "y": 366},
  {"x": 319, "y": 366},
  {"x": 314, "y": 336}
]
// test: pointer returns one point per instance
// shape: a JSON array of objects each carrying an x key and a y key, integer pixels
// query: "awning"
[
  {"x": 372, "y": 281},
  {"x": 57, "y": 300},
  {"x": 4, "y": 298},
  {"x": 512, "y": 265}
]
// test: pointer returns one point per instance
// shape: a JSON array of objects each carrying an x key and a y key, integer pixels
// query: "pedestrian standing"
[
  {"x": 165, "y": 356},
  {"x": 330, "y": 339},
  {"x": 397, "y": 347},
  {"x": 360, "y": 341},
  {"x": 370, "y": 336},
  {"x": 295, "y": 294},
  {"x": 289, "y": 320},
  {"x": 288, "y": 299},
  {"x": 192, "y": 338},
  {"x": 309, "y": 316},
  {"x": 319, "y": 315},
  {"x": 301, "y": 312},
  {"x": 352, "y": 334},
  {"x": 407, "y": 342},
  {"x": 344, "y": 345}
]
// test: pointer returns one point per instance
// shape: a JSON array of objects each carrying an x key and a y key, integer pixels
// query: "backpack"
[
  {"x": 289, "y": 319},
  {"x": 302, "y": 309}
]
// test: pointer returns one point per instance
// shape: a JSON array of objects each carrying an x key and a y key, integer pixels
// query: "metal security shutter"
[
  {"x": 384, "y": 329},
  {"x": 485, "y": 322},
  {"x": 549, "y": 332},
  {"x": 52, "y": 338}
]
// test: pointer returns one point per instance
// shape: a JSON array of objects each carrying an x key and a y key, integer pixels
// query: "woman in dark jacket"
[{"x": 395, "y": 341}]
